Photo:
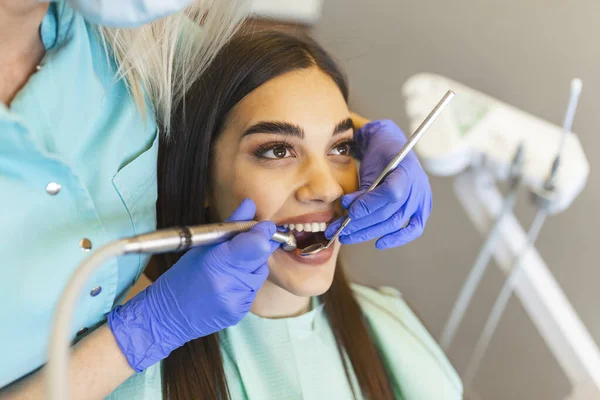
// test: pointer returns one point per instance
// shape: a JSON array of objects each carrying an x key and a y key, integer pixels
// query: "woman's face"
[{"x": 287, "y": 146}]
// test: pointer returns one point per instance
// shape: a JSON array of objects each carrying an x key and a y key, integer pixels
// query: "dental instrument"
[
  {"x": 412, "y": 141},
  {"x": 485, "y": 254},
  {"x": 161, "y": 241},
  {"x": 474, "y": 142},
  {"x": 179, "y": 239},
  {"x": 542, "y": 198}
]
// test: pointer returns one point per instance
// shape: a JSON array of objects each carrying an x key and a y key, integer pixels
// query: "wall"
[{"x": 521, "y": 52}]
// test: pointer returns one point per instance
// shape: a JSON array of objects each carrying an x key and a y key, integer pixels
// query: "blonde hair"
[{"x": 160, "y": 60}]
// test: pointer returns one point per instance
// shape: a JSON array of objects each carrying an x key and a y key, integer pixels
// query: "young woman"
[{"x": 268, "y": 126}]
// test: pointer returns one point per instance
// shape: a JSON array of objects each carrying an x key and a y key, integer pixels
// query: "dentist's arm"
[
  {"x": 97, "y": 367},
  {"x": 209, "y": 289}
]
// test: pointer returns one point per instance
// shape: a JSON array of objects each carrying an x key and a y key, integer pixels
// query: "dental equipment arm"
[
  {"x": 542, "y": 200},
  {"x": 475, "y": 140},
  {"x": 196, "y": 270},
  {"x": 484, "y": 256}
]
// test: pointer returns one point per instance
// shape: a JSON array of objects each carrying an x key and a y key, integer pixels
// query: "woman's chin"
[
  {"x": 306, "y": 289},
  {"x": 303, "y": 277}
]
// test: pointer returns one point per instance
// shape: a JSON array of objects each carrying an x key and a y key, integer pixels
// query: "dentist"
[{"x": 84, "y": 88}]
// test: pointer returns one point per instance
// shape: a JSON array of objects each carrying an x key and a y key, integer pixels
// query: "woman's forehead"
[{"x": 308, "y": 98}]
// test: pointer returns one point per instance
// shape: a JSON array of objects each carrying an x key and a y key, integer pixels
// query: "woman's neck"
[
  {"x": 21, "y": 47},
  {"x": 274, "y": 302}
]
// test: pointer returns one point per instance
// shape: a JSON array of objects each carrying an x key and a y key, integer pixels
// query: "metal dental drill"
[{"x": 183, "y": 238}]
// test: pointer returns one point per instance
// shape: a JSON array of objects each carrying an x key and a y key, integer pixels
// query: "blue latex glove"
[
  {"x": 125, "y": 13},
  {"x": 210, "y": 288},
  {"x": 403, "y": 196}
]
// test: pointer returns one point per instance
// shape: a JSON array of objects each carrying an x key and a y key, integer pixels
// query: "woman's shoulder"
[{"x": 418, "y": 365}]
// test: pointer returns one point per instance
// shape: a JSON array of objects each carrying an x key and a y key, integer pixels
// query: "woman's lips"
[{"x": 316, "y": 259}]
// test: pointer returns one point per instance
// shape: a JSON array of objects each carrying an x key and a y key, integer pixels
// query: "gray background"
[{"x": 524, "y": 53}]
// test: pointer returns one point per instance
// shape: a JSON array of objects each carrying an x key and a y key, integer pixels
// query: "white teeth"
[{"x": 307, "y": 227}]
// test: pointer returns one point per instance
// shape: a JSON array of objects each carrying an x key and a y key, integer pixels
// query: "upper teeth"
[{"x": 307, "y": 227}]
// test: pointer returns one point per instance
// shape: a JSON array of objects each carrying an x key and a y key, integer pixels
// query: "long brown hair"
[{"x": 195, "y": 370}]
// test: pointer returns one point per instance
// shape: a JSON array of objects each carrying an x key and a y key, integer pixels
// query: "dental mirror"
[{"x": 412, "y": 141}]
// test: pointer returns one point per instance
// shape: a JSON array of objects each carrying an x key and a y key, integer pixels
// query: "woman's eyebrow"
[
  {"x": 343, "y": 126},
  {"x": 276, "y": 127},
  {"x": 287, "y": 128}
]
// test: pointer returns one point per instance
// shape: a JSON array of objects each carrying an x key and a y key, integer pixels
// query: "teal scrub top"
[
  {"x": 297, "y": 358},
  {"x": 77, "y": 170}
]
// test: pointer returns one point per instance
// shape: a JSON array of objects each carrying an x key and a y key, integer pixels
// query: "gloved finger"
[
  {"x": 392, "y": 224},
  {"x": 403, "y": 236},
  {"x": 255, "y": 279},
  {"x": 333, "y": 227},
  {"x": 376, "y": 127},
  {"x": 356, "y": 225},
  {"x": 381, "y": 215},
  {"x": 245, "y": 211},
  {"x": 395, "y": 189},
  {"x": 349, "y": 198},
  {"x": 274, "y": 246},
  {"x": 248, "y": 248},
  {"x": 247, "y": 300}
]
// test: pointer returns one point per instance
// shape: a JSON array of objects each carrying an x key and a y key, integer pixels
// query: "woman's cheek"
[
  {"x": 269, "y": 189},
  {"x": 347, "y": 178}
]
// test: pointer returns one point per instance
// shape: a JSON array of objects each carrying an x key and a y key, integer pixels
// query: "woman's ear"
[{"x": 358, "y": 120}]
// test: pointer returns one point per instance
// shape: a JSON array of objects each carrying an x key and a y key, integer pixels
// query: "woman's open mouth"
[
  {"x": 309, "y": 229},
  {"x": 308, "y": 233}
]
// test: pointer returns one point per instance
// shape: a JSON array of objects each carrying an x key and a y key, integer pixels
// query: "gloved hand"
[
  {"x": 403, "y": 196},
  {"x": 210, "y": 288}
]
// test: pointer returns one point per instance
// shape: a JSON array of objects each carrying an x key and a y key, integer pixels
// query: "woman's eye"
[
  {"x": 341, "y": 150},
  {"x": 277, "y": 152}
]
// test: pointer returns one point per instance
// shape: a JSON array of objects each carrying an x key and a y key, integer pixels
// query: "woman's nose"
[{"x": 319, "y": 183}]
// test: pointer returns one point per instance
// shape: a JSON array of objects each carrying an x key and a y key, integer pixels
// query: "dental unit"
[{"x": 482, "y": 141}]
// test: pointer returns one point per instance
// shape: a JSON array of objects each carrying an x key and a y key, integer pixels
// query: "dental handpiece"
[{"x": 183, "y": 238}]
